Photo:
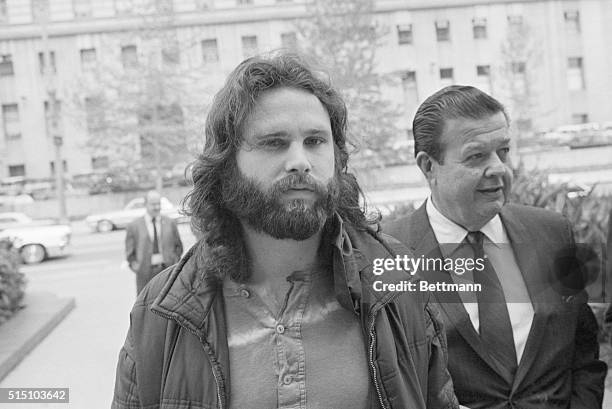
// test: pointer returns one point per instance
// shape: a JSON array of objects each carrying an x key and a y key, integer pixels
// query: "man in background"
[
  {"x": 523, "y": 341},
  {"x": 152, "y": 242}
]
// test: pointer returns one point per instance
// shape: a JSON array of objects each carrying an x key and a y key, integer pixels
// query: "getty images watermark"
[{"x": 411, "y": 265}]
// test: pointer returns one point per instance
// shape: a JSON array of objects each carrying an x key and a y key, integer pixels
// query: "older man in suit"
[
  {"x": 523, "y": 341},
  {"x": 152, "y": 242}
]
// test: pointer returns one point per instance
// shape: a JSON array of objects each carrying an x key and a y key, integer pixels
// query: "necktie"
[
  {"x": 155, "y": 242},
  {"x": 495, "y": 326}
]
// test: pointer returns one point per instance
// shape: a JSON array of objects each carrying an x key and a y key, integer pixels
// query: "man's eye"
[
  {"x": 475, "y": 156},
  {"x": 503, "y": 154},
  {"x": 314, "y": 141}
]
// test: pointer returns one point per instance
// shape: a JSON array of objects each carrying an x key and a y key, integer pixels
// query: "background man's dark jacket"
[
  {"x": 559, "y": 367},
  {"x": 176, "y": 353},
  {"x": 139, "y": 248}
]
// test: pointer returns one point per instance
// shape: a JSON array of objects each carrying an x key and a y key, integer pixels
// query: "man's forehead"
[
  {"x": 465, "y": 130},
  {"x": 266, "y": 115}
]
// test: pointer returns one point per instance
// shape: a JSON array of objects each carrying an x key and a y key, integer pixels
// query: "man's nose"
[
  {"x": 297, "y": 159},
  {"x": 495, "y": 167}
]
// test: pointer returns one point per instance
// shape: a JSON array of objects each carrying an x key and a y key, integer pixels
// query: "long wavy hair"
[{"x": 221, "y": 249}]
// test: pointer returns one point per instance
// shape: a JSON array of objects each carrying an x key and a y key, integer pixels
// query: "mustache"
[{"x": 298, "y": 181}]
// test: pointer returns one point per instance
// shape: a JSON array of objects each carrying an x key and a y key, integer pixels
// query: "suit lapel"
[
  {"x": 523, "y": 240},
  {"x": 422, "y": 241}
]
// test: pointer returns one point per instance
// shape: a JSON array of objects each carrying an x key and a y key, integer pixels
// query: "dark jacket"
[
  {"x": 560, "y": 366},
  {"x": 139, "y": 247},
  {"x": 176, "y": 353}
]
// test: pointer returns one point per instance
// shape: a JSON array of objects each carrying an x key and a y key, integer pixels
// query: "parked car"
[
  {"x": 36, "y": 240},
  {"x": 106, "y": 222},
  {"x": 16, "y": 219}
]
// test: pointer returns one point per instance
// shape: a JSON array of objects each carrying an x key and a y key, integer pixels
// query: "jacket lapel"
[
  {"x": 423, "y": 242},
  {"x": 522, "y": 240}
]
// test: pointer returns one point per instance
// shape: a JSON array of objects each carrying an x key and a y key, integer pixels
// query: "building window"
[
  {"x": 244, "y": 2},
  {"x": 3, "y": 12},
  {"x": 88, "y": 59},
  {"x": 129, "y": 56},
  {"x": 210, "y": 51},
  {"x": 483, "y": 70},
  {"x": 515, "y": 20},
  {"x": 483, "y": 78},
  {"x": 410, "y": 90},
  {"x": 289, "y": 40},
  {"x": 82, "y": 8},
  {"x": 12, "y": 125},
  {"x": 171, "y": 55},
  {"x": 6, "y": 65},
  {"x": 446, "y": 76},
  {"x": 517, "y": 67},
  {"x": 42, "y": 62},
  {"x": 404, "y": 34},
  {"x": 99, "y": 162},
  {"x": 16, "y": 170},
  {"x": 575, "y": 74},
  {"x": 580, "y": 118},
  {"x": 249, "y": 46},
  {"x": 52, "y": 166},
  {"x": 572, "y": 21},
  {"x": 479, "y": 28},
  {"x": 52, "y": 118},
  {"x": 443, "y": 30},
  {"x": 94, "y": 114}
]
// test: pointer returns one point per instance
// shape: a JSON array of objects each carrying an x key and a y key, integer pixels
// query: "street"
[{"x": 81, "y": 353}]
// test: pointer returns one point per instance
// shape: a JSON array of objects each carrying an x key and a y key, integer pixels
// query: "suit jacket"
[
  {"x": 560, "y": 366},
  {"x": 139, "y": 248}
]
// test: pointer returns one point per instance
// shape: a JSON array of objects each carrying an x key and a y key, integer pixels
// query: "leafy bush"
[
  {"x": 12, "y": 282},
  {"x": 587, "y": 213}
]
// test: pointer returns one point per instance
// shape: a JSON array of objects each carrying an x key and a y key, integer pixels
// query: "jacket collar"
[{"x": 189, "y": 294}]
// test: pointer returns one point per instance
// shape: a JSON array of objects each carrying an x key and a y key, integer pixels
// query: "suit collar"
[{"x": 423, "y": 242}]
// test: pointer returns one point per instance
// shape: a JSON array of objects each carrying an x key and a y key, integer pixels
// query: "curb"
[{"x": 29, "y": 326}]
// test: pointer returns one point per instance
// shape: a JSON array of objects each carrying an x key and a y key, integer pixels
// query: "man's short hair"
[{"x": 452, "y": 102}]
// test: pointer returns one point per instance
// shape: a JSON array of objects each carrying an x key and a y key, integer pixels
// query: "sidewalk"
[{"x": 29, "y": 326}]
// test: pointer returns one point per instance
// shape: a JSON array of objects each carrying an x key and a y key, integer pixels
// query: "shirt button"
[
  {"x": 245, "y": 293},
  {"x": 280, "y": 328},
  {"x": 287, "y": 379}
]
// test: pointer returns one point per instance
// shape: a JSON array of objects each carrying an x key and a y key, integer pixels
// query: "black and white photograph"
[{"x": 306, "y": 204}]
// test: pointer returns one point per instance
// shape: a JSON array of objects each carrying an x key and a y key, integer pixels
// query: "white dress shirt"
[
  {"x": 156, "y": 258},
  {"x": 499, "y": 252}
]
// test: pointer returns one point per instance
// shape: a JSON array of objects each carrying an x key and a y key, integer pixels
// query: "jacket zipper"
[
  {"x": 212, "y": 365},
  {"x": 371, "y": 361}
]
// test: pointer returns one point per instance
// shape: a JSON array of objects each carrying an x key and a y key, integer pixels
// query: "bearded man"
[{"x": 277, "y": 299}]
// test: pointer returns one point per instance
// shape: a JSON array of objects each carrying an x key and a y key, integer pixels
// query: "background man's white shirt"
[{"x": 499, "y": 252}]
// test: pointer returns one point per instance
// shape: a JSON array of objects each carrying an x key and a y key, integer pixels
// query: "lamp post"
[{"x": 53, "y": 129}]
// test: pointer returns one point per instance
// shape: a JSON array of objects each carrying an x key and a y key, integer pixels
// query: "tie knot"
[{"x": 475, "y": 238}]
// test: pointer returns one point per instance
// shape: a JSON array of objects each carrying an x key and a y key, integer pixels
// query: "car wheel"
[
  {"x": 104, "y": 226},
  {"x": 33, "y": 253}
]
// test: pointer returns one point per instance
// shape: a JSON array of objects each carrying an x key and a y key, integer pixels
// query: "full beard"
[{"x": 267, "y": 212}]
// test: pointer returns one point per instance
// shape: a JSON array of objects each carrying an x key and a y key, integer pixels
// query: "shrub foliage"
[{"x": 12, "y": 282}]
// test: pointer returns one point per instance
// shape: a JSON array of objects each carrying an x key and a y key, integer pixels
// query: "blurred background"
[{"x": 103, "y": 100}]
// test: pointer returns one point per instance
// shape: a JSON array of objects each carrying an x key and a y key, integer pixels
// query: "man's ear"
[{"x": 425, "y": 163}]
